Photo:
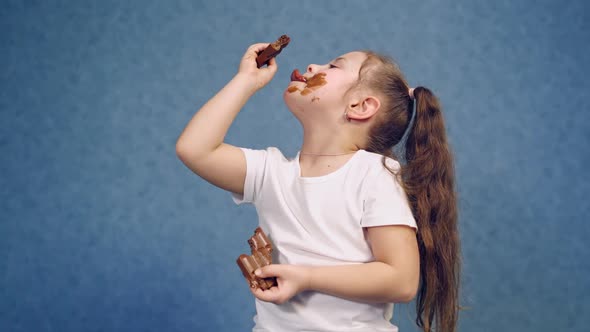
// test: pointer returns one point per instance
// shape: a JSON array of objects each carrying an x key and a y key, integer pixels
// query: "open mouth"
[{"x": 296, "y": 76}]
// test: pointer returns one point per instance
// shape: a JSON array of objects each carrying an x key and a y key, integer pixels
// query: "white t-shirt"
[{"x": 319, "y": 221}]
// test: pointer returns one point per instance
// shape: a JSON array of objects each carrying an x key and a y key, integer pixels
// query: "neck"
[
  {"x": 327, "y": 143},
  {"x": 318, "y": 154}
]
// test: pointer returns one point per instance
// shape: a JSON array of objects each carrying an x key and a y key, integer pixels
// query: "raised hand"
[{"x": 259, "y": 76}]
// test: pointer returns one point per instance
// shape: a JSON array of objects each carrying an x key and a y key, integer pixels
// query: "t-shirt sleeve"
[
  {"x": 255, "y": 169},
  {"x": 386, "y": 203}
]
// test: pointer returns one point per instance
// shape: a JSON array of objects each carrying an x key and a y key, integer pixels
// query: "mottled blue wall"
[{"x": 104, "y": 229}]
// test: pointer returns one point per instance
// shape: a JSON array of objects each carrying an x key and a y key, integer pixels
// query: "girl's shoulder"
[
  {"x": 269, "y": 151},
  {"x": 375, "y": 161}
]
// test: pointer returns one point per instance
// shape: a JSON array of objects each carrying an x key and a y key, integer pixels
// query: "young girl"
[{"x": 354, "y": 231}]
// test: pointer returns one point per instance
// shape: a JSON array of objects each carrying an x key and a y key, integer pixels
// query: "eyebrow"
[{"x": 339, "y": 58}]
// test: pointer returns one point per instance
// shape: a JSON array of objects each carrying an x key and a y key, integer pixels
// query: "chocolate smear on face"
[
  {"x": 312, "y": 84},
  {"x": 306, "y": 91},
  {"x": 317, "y": 80}
]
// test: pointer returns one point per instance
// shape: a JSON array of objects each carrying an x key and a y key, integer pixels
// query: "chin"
[
  {"x": 295, "y": 104},
  {"x": 291, "y": 103},
  {"x": 290, "y": 98}
]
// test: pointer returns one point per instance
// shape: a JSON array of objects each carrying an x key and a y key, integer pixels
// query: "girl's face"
[{"x": 324, "y": 92}]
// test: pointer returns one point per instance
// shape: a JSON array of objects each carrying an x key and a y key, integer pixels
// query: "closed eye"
[{"x": 332, "y": 66}]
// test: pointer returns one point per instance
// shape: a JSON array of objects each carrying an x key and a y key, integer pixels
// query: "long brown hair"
[{"x": 427, "y": 175}]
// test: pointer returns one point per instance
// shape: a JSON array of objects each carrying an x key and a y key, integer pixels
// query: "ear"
[{"x": 363, "y": 109}]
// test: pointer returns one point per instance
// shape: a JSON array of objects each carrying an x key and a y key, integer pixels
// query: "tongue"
[{"x": 296, "y": 76}]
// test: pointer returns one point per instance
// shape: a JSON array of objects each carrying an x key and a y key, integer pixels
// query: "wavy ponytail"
[{"x": 429, "y": 181}]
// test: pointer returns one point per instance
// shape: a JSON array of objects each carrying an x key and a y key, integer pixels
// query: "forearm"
[
  {"x": 208, "y": 127},
  {"x": 374, "y": 282}
]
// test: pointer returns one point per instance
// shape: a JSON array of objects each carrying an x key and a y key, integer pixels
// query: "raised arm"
[{"x": 200, "y": 146}]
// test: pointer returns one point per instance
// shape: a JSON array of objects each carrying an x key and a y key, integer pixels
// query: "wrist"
[
  {"x": 247, "y": 82},
  {"x": 308, "y": 278}
]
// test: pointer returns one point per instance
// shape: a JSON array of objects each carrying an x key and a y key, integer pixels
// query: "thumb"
[
  {"x": 272, "y": 270},
  {"x": 272, "y": 64},
  {"x": 271, "y": 67}
]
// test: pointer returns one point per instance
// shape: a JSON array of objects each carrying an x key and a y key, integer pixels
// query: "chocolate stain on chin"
[{"x": 314, "y": 99}]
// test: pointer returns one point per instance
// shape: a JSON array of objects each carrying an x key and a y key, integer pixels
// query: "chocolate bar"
[
  {"x": 272, "y": 50},
  {"x": 261, "y": 256}
]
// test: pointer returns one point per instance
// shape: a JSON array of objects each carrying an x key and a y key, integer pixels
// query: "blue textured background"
[{"x": 103, "y": 229}]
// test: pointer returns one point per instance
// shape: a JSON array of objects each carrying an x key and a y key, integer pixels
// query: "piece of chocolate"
[
  {"x": 272, "y": 50},
  {"x": 261, "y": 256}
]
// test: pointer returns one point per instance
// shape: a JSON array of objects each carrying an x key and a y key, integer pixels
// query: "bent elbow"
[
  {"x": 184, "y": 152},
  {"x": 179, "y": 151},
  {"x": 412, "y": 290},
  {"x": 405, "y": 294},
  {"x": 408, "y": 296}
]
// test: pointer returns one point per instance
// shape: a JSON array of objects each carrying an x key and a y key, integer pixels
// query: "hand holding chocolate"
[
  {"x": 261, "y": 256},
  {"x": 272, "y": 50}
]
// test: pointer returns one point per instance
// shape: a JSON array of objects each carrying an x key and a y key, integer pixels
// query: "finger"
[
  {"x": 272, "y": 65},
  {"x": 256, "y": 48},
  {"x": 272, "y": 270},
  {"x": 269, "y": 295}
]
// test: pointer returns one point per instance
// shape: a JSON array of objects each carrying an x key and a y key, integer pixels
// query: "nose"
[{"x": 312, "y": 68}]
